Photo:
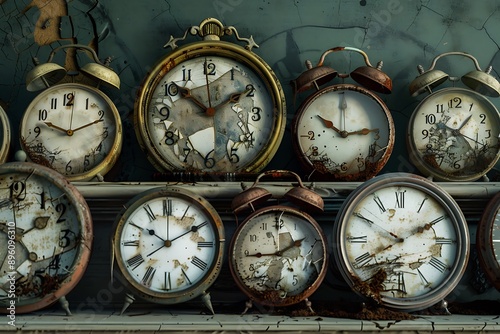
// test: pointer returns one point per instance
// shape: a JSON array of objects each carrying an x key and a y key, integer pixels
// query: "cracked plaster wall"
[{"x": 402, "y": 33}]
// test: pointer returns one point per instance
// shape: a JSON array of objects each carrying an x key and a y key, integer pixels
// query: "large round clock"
[
  {"x": 401, "y": 241},
  {"x": 210, "y": 106},
  {"x": 168, "y": 245},
  {"x": 46, "y": 237}
]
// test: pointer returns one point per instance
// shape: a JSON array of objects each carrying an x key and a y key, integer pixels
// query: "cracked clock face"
[
  {"x": 454, "y": 134},
  {"x": 220, "y": 109},
  {"x": 278, "y": 256},
  {"x": 5, "y": 135},
  {"x": 402, "y": 241},
  {"x": 73, "y": 129},
  {"x": 168, "y": 244},
  {"x": 343, "y": 132},
  {"x": 46, "y": 235}
]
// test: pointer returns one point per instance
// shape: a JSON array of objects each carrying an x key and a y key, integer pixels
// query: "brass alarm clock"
[
  {"x": 210, "y": 106},
  {"x": 453, "y": 133},
  {"x": 278, "y": 254},
  {"x": 343, "y": 132},
  {"x": 72, "y": 127}
]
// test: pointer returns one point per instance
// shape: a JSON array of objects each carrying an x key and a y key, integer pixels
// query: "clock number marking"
[
  {"x": 310, "y": 135},
  {"x": 170, "y": 138},
  {"x": 401, "y": 282},
  {"x": 37, "y": 131},
  {"x": 131, "y": 243},
  {"x": 61, "y": 208},
  {"x": 166, "y": 281},
  {"x": 423, "y": 279},
  {"x": 185, "y": 212},
  {"x": 379, "y": 203},
  {"x": 165, "y": 112},
  {"x": 87, "y": 106},
  {"x": 148, "y": 276},
  {"x": 137, "y": 226},
  {"x": 251, "y": 90},
  {"x": 437, "y": 220},
  {"x": 205, "y": 244},
  {"x": 167, "y": 207},
  {"x": 233, "y": 157},
  {"x": 65, "y": 240},
  {"x": 439, "y": 108},
  {"x": 186, "y": 74},
  {"x": 135, "y": 261},
  {"x": 400, "y": 199},
  {"x": 209, "y": 68},
  {"x": 42, "y": 114},
  {"x": 53, "y": 103},
  {"x": 199, "y": 263},
  {"x": 438, "y": 264},
  {"x": 208, "y": 161},
  {"x": 458, "y": 102},
  {"x": 362, "y": 260},
  {"x": 430, "y": 119},
  {"x": 256, "y": 114},
  {"x": 150, "y": 212},
  {"x": 357, "y": 240},
  {"x": 42, "y": 200},
  {"x": 171, "y": 89},
  {"x": 253, "y": 237},
  {"x": 69, "y": 99},
  {"x": 483, "y": 118},
  {"x": 422, "y": 204},
  {"x": 186, "y": 276},
  {"x": 444, "y": 241}
]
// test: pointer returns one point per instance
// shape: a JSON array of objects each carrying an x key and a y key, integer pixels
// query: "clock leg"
[
  {"x": 129, "y": 299},
  {"x": 440, "y": 308},
  {"x": 248, "y": 305},
  {"x": 309, "y": 305},
  {"x": 205, "y": 297},
  {"x": 65, "y": 305}
]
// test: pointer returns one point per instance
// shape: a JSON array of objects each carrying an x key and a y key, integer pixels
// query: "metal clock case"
[
  {"x": 488, "y": 241},
  {"x": 46, "y": 237},
  {"x": 168, "y": 246},
  {"x": 343, "y": 132},
  {"x": 278, "y": 254},
  {"x": 401, "y": 241},
  {"x": 72, "y": 128},
  {"x": 453, "y": 134},
  {"x": 5, "y": 135},
  {"x": 210, "y": 106}
]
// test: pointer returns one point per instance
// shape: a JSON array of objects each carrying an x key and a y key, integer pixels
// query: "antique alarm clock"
[
  {"x": 488, "y": 241},
  {"x": 168, "y": 245},
  {"x": 343, "y": 132},
  {"x": 401, "y": 241},
  {"x": 278, "y": 254},
  {"x": 46, "y": 237},
  {"x": 5, "y": 134},
  {"x": 453, "y": 134},
  {"x": 72, "y": 127},
  {"x": 210, "y": 106}
]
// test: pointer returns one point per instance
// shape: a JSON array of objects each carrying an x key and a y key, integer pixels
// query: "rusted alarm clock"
[
  {"x": 343, "y": 132},
  {"x": 453, "y": 133},
  {"x": 278, "y": 254}
]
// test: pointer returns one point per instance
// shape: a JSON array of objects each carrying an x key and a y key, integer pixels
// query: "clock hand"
[
  {"x": 329, "y": 125},
  {"x": 342, "y": 107},
  {"x": 359, "y": 215},
  {"x": 89, "y": 124},
  {"x": 52, "y": 125},
  {"x": 152, "y": 232},
  {"x": 233, "y": 98},
  {"x": 363, "y": 131},
  {"x": 186, "y": 93},
  {"x": 193, "y": 228},
  {"x": 296, "y": 243},
  {"x": 210, "y": 111}
]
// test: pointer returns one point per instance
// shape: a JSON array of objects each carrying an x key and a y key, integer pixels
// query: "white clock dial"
[
  {"x": 73, "y": 129},
  {"x": 344, "y": 132},
  {"x": 218, "y": 110},
  {"x": 168, "y": 245},
  {"x": 5, "y": 135},
  {"x": 278, "y": 256},
  {"x": 454, "y": 135},
  {"x": 404, "y": 238}
]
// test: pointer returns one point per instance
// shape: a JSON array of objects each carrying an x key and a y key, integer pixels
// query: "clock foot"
[
  {"x": 440, "y": 308},
  {"x": 485, "y": 178},
  {"x": 65, "y": 305},
  {"x": 129, "y": 299},
  {"x": 309, "y": 305},
  {"x": 248, "y": 305},
  {"x": 205, "y": 297}
]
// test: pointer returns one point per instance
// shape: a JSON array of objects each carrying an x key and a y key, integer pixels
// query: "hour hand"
[
  {"x": 186, "y": 93},
  {"x": 363, "y": 131},
  {"x": 329, "y": 125},
  {"x": 52, "y": 125}
]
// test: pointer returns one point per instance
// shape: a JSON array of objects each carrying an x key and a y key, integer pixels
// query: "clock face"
[
  {"x": 488, "y": 241},
  {"x": 73, "y": 129},
  {"x": 403, "y": 241},
  {"x": 46, "y": 228},
  {"x": 343, "y": 132},
  {"x": 215, "y": 111},
  {"x": 278, "y": 256},
  {"x": 454, "y": 135},
  {"x": 169, "y": 245}
]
